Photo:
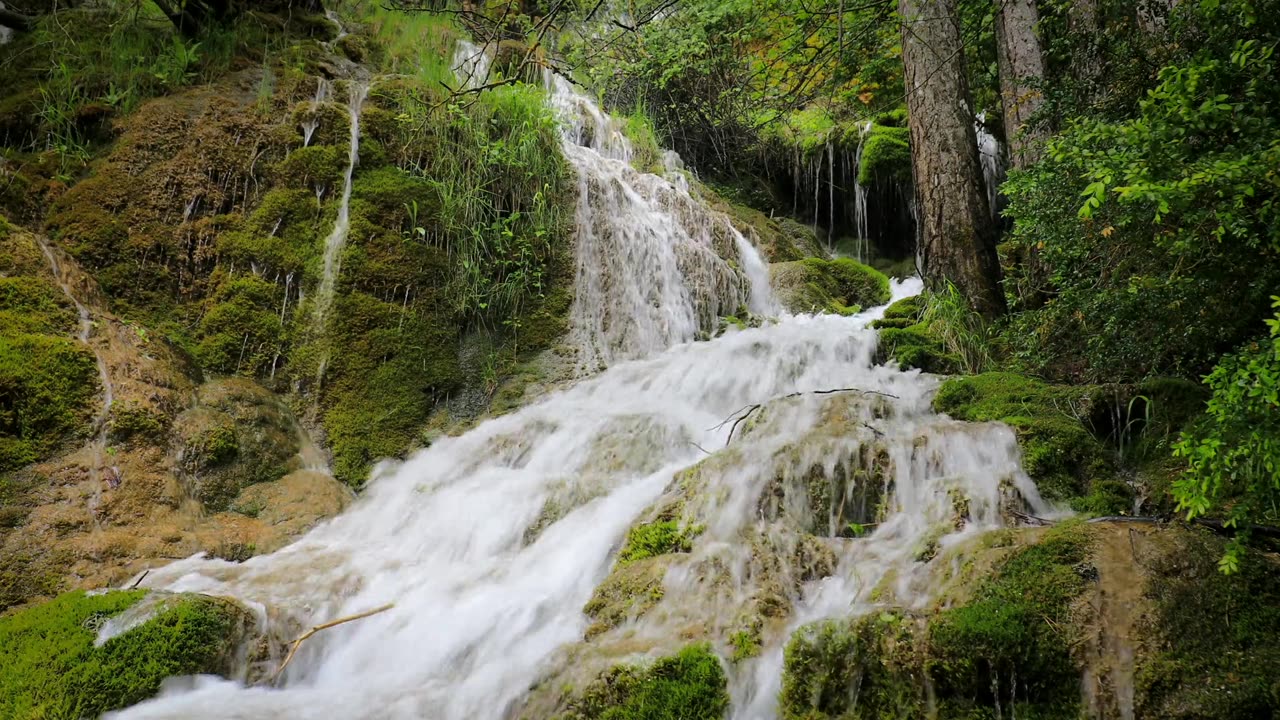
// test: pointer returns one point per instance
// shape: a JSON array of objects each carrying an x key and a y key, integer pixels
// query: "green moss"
[
  {"x": 1213, "y": 641},
  {"x": 32, "y": 305},
  {"x": 131, "y": 422},
  {"x": 1016, "y": 625},
  {"x": 689, "y": 685},
  {"x": 886, "y": 155},
  {"x": 656, "y": 538},
  {"x": 313, "y": 166},
  {"x": 842, "y": 286},
  {"x": 1058, "y": 451},
  {"x": 241, "y": 334},
  {"x": 914, "y": 347},
  {"x": 646, "y": 153},
  {"x": 50, "y": 669},
  {"x": 627, "y": 593},
  {"x": 909, "y": 308},
  {"x": 47, "y": 387},
  {"x": 868, "y": 667}
]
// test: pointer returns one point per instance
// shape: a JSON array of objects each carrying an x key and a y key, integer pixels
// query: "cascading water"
[
  {"x": 652, "y": 268},
  {"x": 337, "y": 239},
  {"x": 308, "y": 126},
  {"x": 471, "y": 64},
  {"x": 490, "y": 543},
  {"x": 860, "y": 197}
]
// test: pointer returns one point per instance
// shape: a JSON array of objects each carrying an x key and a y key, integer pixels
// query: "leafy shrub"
[{"x": 1234, "y": 455}]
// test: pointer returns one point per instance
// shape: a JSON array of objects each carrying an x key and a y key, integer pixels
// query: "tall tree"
[
  {"x": 1021, "y": 63},
  {"x": 957, "y": 233}
]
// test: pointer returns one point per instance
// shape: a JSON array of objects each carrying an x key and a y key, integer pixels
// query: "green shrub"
[
  {"x": 1234, "y": 456},
  {"x": 50, "y": 669}
]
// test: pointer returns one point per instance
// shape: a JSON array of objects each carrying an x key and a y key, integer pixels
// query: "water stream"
[
  {"x": 337, "y": 239},
  {"x": 489, "y": 583}
]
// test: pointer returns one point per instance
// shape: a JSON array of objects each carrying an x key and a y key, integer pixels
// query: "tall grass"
[{"x": 963, "y": 332}]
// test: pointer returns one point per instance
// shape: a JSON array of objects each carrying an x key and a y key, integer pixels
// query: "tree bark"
[
  {"x": 957, "y": 233},
  {"x": 1021, "y": 63},
  {"x": 15, "y": 20}
]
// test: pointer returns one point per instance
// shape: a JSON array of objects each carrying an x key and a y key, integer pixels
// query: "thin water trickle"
[
  {"x": 308, "y": 126},
  {"x": 992, "y": 160},
  {"x": 860, "y": 220},
  {"x": 471, "y": 64},
  {"x": 337, "y": 239},
  {"x": 484, "y": 609}
]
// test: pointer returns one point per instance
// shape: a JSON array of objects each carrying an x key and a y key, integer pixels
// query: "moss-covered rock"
[
  {"x": 237, "y": 435},
  {"x": 842, "y": 286},
  {"x": 690, "y": 685},
  {"x": 1211, "y": 642},
  {"x": 868, "y": 667},
  {"x": 626, "y": 594},
  {"x": 886, "y": 155},
  {"x": 914, "y": 346},
  {"x": 1058, "y": 451},
  {"x": 52, "y": 665}
]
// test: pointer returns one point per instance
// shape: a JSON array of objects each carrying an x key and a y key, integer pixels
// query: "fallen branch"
[
  {"x": 141, "y": 577},
  {"x": 326, "y": 626},
  {"x": 740, "y": 415}
]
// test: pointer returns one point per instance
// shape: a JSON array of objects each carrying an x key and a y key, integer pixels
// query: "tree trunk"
[
  {"x": 1021, "y": 62},
  {"x": 957, "y": 234}
]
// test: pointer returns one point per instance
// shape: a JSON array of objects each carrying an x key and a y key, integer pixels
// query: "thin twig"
[
  {"x": 142, "y": 577},
  {"x": 325, "y": 626}
]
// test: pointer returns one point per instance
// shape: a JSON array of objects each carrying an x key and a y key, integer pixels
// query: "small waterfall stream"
[
  {"x": 337, "y": 239},
  {"x": 485, "y": 608}
]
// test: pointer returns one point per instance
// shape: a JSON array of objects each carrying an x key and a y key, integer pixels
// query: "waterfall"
[
  {"x": 308, "y": 126},
  {"x": 651, "y": 259},
  {"x": 6, "y": 33},
  {"x": 860, "y": 197},
  {"x": 989, "y": 154},
  {"x": 490, "y": 543},
  {"x": 471, "y": 64},
  {"x": 342, "y": 225}
]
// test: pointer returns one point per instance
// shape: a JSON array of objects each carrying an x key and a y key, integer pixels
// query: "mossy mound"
[
  {"x": 1004, "y": 644},
  {"x": 842, "y": 286},
  {"x": 886, "y": 155},
  {"x": 913, "y": 346},
  {"x": 1058, "y": 451},
  {"x": 237, "y": 435},
  {"x": 689, "y": 685},
  {"x": 1211, "y": 642},
  {"x": 48, "y": 380},
  {"x": 780, "y": 239},
  {"x": 52, "y": 669},
  {"x": 626, "y": 594},
  {"x": 868, "y": 667}
]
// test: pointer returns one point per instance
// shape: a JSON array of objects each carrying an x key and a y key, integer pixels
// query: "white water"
[
  {"x": 337, "y": 239},
  {"x": 654, "y": 264},
  {"x": 6, "y": 33},
  {"x": 308, "y": 126},
  {"x": 471, "y": 64},
  {"x": 860, "y": 198},
  {"x": 484, "y": 610}
]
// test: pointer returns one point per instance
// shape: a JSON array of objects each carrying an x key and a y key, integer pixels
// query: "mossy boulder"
[
  {"x": 1058, "y": 451},
  {"x": 867, "y": 667},
  {"x": 1211, "y": 642},
  {"x": 53, "y": 666},
  {"x": 914, "y": 346},
  {"x": 237, "y": 435},
  {"x": 842, "y": 286},
  {"x": 886, "y": 155},
  {"x": 689, "y": 685},
  {"x": 627, "y": 593}
]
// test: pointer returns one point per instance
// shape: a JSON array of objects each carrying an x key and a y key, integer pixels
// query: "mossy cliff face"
[{"x": 55, "y": 664}]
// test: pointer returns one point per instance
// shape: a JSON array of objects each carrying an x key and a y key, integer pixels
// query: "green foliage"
[
  {"x": 47, "y": 385},
  {"x": 656, "y": 538},
  {"x": 1233, "y": 457},
  {"x": 1147, "y": 241},
  {"x": 1014, "y": 630},
  {"x": 1058, "y": 451},
  {"x": 50, "y": 669},
  {"x": 963, "y": 332},
  {"x": 690, "y": 685}
]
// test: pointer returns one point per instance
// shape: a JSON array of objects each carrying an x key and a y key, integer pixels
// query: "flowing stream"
[
  {"x": 490, "y": 543},
  {"x": 337, "y": 239}
]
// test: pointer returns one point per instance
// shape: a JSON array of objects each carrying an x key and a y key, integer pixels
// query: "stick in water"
[{"x": 325, "y": 626}]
